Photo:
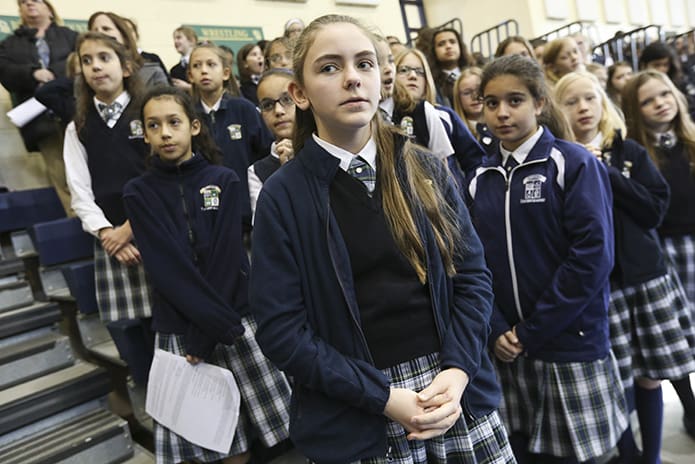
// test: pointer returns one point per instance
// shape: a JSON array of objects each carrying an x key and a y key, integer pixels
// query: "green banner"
[
  {"x": 232, "y": 36},
  {"x": 9, "y": 23}
]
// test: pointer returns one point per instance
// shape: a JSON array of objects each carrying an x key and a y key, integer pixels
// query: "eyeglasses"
[
  {"x": 268, "y": 104},
  {"x": 405, "y": 70},
  {"x": 470, "y": 93},
  {"x": 278, "y": 57}
]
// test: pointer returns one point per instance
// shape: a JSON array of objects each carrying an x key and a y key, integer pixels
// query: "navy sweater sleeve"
[
  {"x": 284, "y": 332},
  {"x": 643, "y": 194},
  {"x": 588, "y": 223},
  {"x": 173, "y": 274},
  {"x": 466, "y": 337}
]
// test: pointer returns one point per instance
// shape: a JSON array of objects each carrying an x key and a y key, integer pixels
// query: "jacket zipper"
[
  {"x": 342, "y": 287},
  {"x": 508, "y": 233},
  {"x": 186, "y": 215}
]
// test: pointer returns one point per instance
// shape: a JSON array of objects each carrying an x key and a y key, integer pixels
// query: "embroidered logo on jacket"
[
  {"x": 136, "y": 131},
  {"x": 211, "y": 197},
  {"x": 533, "y": 189},
  {"x": 234, "y": 131}
]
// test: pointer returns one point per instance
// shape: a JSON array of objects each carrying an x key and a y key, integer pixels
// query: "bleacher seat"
[{"x": 24, "y": 208}]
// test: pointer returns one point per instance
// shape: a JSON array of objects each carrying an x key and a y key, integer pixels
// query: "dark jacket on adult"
[
  {"x": 187, "y": 220},
  {"x": 640, "y": 201},
  {"x": 19, "y": 58},
  {"x": 302, "y": 293}
]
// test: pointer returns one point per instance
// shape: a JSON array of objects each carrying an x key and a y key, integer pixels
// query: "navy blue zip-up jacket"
[
  {"x": 241, "y": 136},
  {"x": 467, "y": 151},
  {"x": 186, "y": 220},
  {"x": 640, "y": 201},
  {"x": 547, "y": 228},
  {"x": 303, "y": 297}
]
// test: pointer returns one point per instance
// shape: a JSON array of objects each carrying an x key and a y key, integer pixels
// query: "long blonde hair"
[
  {"x": 683, "y": 126},
  {"x": 430, "y": 89},
  {"x": 458, "y": 107},
  {"x": 400, "y": 205},
  {"x": 610, "y": 122}
]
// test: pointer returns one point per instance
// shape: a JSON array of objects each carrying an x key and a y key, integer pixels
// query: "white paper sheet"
[
  {"x": 199, "y": 402},
  {"x": 25, "y": 112}
]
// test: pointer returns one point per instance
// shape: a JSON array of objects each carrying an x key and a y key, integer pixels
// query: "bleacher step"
[
  {"x": 39, "y": 398},
  {"x": 28, "y": 318},
  {"x": 15, "y": 295},
  {"x": 96, "y": 437},
  {"x": 34, "y": 357}
]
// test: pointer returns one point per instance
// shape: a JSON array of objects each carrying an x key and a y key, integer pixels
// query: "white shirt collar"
[
  {"x": 387, "y": 105},
  {"x": 368, "y": 152},
  {"x": 214, "y": 107},
  {"x": 123, "y": 99},
  {"x": 273, "y": 151},
  {"x": 522, "y": 150},
  {"x": 597, "y": 141}
]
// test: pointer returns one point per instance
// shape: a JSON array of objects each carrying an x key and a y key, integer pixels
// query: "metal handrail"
[
  {"x": 628, "y": 46},
  {"x": 485, "y": 38}
]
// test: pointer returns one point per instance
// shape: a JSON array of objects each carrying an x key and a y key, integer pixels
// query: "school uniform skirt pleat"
[
  {"x": 651, "y": 332},
  {"x": 680, "y": 251},
  {"x": 122, "y": 291},
  {"x": 470, "y": 440},
  {"x": 265, "y": 398},
  {"x": 574, "y": 409}
]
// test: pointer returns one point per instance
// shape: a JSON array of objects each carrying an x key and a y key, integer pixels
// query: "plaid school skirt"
[
  {"x": 122, "y": 291},
  {"x": 265, "y": 399},
  {"x": 480, "y": 441},
  {"x": 680, "y": 251},
  {"x": 651, "y": 332},
  {"x": 572, "y": 409}
]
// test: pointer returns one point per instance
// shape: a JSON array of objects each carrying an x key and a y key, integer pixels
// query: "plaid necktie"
[
  {"x": 110, "y": 112},
  {"x": 362, "y": 171}
]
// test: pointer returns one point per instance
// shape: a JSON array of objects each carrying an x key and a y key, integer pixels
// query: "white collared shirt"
[
  {"x": 214, "y": 107},
  {"x": 255, "y": 184},
  {"x": 596, "y": 141},
  {"x": 80, "y": 180},
  {"x": 522, "y": 150},
  {"x": 123, "y": 99},
  {"x": 368, "y": 152}
]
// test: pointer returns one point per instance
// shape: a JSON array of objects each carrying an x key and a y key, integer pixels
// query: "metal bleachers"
[{"x": 53, "y": 403}]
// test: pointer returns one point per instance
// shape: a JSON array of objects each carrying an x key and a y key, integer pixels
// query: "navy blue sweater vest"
[
  {"x": 395, "y": 308},
  {"x": 676, "y": 169},
  {"x": 266, "y": 167},
  {"x": 114, "y": 156}
]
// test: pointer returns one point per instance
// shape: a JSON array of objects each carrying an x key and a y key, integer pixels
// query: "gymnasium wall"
[{"x": 158, "y": 18}]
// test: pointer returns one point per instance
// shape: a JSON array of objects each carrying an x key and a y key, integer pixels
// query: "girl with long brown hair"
[{"x": 368, "y": 281}]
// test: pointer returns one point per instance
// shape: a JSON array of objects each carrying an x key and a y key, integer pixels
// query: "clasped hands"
[
  {"x": 116, "y": 241},
  {"x": 432, "y": 411}
]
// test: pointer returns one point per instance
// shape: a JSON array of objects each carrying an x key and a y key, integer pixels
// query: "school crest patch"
[
  {"x": 234, "y": 131},
  {"x": 407, "y": 126},
  {"x": 211, "y": 197},
  {"x": 136, "y": 130},
  {"x": 533, "y": 189}
]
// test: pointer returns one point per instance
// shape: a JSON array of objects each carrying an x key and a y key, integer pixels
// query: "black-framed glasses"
[
  {"x": 268, "y": 104},
  {"x": 405, "y": 70}
]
